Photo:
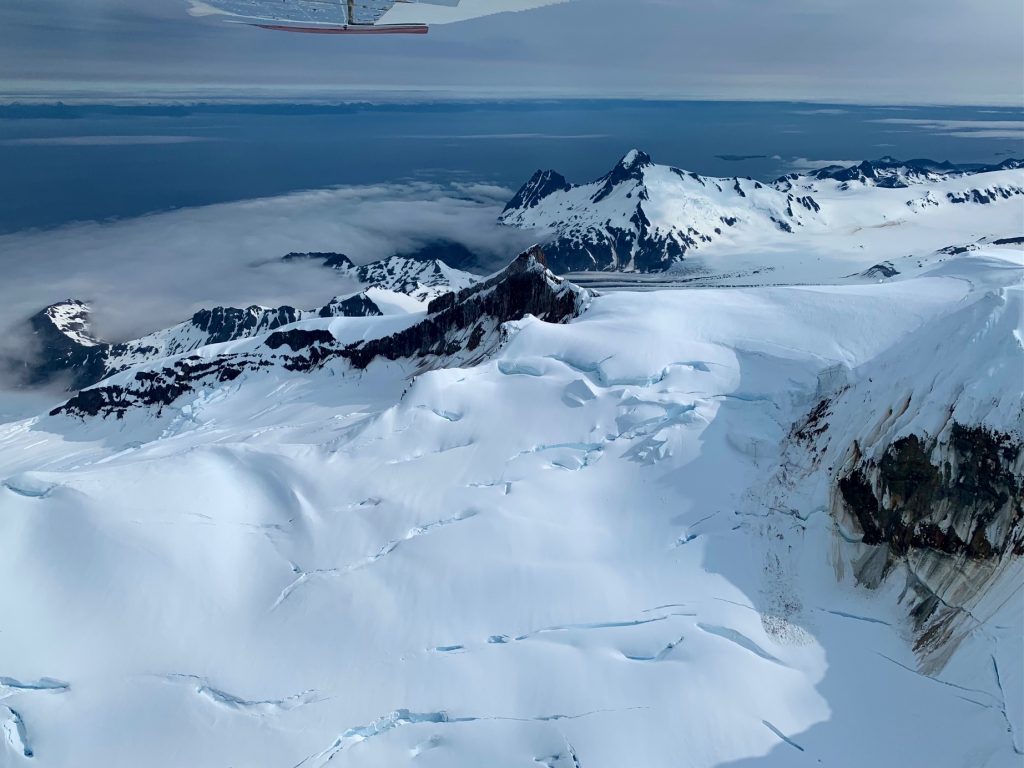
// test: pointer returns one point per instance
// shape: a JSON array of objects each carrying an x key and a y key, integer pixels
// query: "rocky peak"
[
  {"x": 629, "y": 169},
  {"x": 541, "y": 185},
  {"x": 69, "y": 318},
  {"x": 64, "y": 346}
]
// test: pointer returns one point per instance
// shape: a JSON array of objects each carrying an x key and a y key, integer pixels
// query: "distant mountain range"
[
  {"x": 643, "y": 217},
  {"x": 65, "y": 348}
]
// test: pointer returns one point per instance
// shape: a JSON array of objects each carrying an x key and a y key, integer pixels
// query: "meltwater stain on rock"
[{"x": 962, "y": 498}]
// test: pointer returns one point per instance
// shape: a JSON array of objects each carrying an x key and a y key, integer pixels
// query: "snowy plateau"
[{"x": 757, "y": 502}]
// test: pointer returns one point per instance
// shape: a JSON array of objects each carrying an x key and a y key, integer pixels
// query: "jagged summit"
[
  {"x": 540, "y": 185},
  {"x": 642, "y": 217}
]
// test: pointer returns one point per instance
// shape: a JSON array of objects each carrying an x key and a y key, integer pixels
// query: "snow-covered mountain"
[
  {"x": 422, "y": 278},
  {"x": 459, "y": 328},
  {"x": 524, "y": 523},
  {"x": 65, "y": 348},
  {"x": 535, "y": 526},
  {"x": 645, "y": 217}
]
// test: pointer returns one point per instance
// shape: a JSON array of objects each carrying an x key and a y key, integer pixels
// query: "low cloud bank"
[{"x": 150, "y": 272}]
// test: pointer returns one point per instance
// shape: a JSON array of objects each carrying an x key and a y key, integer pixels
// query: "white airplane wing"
[
  {"x": 308, "y": 15},
  {"x": 356, "y": 16}
]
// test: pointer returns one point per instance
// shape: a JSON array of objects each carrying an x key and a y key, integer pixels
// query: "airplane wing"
[
  {"x": 336, "y": 17},
  {"x": 316, "y": 16}
]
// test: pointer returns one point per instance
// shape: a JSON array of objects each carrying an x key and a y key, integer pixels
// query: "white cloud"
[
  {"x": 963, "y": 129},
  {"x": 103, "y": 141},
  {"x": 149, "y": 272},
  {"x": 802, "y": 164},
  {"x": 823, "y": 111},
  {"x": 506, "y": 136}
]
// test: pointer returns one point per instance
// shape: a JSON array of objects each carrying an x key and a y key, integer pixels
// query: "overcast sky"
[{"x": 868, "y": 51}]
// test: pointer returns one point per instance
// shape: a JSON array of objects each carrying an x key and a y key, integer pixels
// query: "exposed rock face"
[
  {"x": 882, "y": 271},
  {"x": 460, "y": 329},
  {"x": 358, "y": 305},
  {"x": 962, "y": 498},
  {"x": 467, "y": 323},
  {"x": 919, "y": 458},
  {"x": 222, "y": 324},
  {"x": 950, "y": 516}
]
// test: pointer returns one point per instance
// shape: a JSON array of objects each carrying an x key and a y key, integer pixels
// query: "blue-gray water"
[{"x": 63, "y": 164}]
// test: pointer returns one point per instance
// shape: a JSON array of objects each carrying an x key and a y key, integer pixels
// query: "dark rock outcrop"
[
  {"x": 357, "y": 305},
  {"x": 963, "y": 498},
  {"x": 882, "y": 271},
  {"x": 222, "y": 324}
]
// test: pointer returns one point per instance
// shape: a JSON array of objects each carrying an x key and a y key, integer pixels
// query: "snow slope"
[{"x": 600, "y": 546}]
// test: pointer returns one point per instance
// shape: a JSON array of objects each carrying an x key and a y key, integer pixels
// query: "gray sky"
[{"x": 873, "y": 51}]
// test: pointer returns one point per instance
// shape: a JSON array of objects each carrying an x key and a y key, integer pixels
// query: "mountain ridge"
[{"x": 644, "y": 217}]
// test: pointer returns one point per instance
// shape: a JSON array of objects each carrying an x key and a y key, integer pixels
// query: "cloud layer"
[{"x": 150, "y": 272}]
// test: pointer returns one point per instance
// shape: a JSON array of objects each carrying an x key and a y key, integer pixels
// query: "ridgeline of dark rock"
[
  {"x": 460, "y": 329},
  {"x": 358, "y": 305},
  {"x": 882, "y": 271},
  {"x": 463, "y": 322},
  {"x": 222, "y": 324},
  {"x": 65, "y": 349}
]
